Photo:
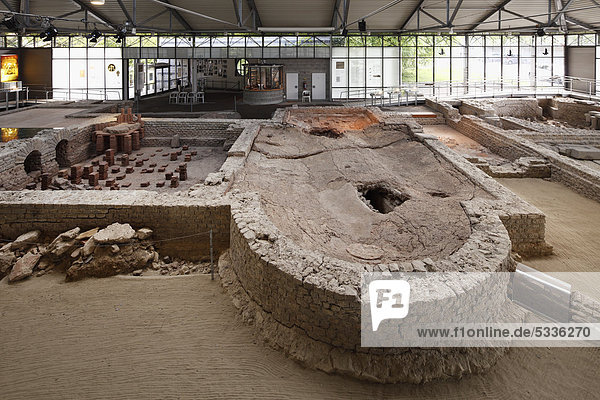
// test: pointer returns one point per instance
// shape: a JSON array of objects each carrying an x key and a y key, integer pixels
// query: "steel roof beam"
[
  {"x": 488, "y": 15},
  {"x": 412, "y": 14}
]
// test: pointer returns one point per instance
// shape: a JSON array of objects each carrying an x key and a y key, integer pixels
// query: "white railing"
[
  {"x": 83, "y": 94},
  {"x": 445, "y": 90}
]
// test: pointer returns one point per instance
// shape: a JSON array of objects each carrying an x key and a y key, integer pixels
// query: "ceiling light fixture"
[
  {"x": 97, "y": 2},
  {"x": 94, "y": 35}
]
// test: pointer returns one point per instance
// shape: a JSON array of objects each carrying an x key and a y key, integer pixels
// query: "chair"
[
  {"x": 181, "y": 98},
  {"x": 172, "y": 97},
  {"x": 199, "y": 97},
  {"x": 306, "y": 95},
  {"x": 191, "y": 97}
]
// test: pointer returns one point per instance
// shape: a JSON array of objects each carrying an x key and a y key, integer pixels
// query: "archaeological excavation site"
[{"x": 299, "y": 200}]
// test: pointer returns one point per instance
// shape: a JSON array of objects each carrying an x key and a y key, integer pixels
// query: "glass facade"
[{"x": 358, "y": 64}]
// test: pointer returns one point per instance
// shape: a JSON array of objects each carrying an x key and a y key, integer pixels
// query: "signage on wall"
[
  {"x": 9, "y": 66},
  {"x": 111, "y": 67}
]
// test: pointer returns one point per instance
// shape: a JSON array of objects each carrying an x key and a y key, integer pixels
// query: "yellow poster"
[{"x": 9, "y": 68}]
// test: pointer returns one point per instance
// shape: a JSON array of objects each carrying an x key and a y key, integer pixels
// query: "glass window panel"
[
  {"x": 391, "y": 72},
  {"x": 558, "y": 68},
  {"x": 257, "y": 52},
  {"x": 149, "y": 41},
  {"x": 254, "y": 41},
  {"x": 476, "y": 69},
  {"x": 96, "y": 52},
  {"x": 409, "y": 70},
  {"x": 408, "y": 41},
  {"x": 425, "y": 51},
  {"x": 458, "y": 41},
  {"x": 339, "y": 72},
  {"x": 237, "y": 41},
  {"x": 288, "y": 52},
  {"x": 442, "y": 52},
  {"x": 166, "y": 41},
  {"x": 96, "y": 74},
  {"x": 289, "y": 41},
  {"x": 493, "y": 70},
  {"x": 357, "y": 73},
  {"x": 526, "y": 71},
  {"x": 475, "y": 52},
  {"x": 61, "y": 41},
  {"x": 510, "y": 40},
  {"x": 442, "y": 41},
  {"x": 425, "y": 41},
  {"x": 510, "y": 70},
  {"x": 60, "y": 53},
  {"x": 40, "y": 43},
  {"x": 184, "y": 41},
  {"x": 306, "y": 52},
  {"x": 114, "y": 76},
  {"x": 559, "y": 40},
  {"x": 409, "y": 52},
  {"x": 493, "y": 51},
  {"x": 60, "y": 74},
  {"x": 322, "y": 52},
  {"x": 78, "y": 74},
  {"x": 374, "y": 41},
  {"x": 526, "y": 40},
  {"x": 78, "y": 41},
  {"x": 425, "y": 69},
  {"x": 544, "y": 51},
  {"x": 202, "y": 41},
  {"x": 458, "y": 69},
  {"x": 374, "y": 71},
  {"x": 132, "y": 41},
  {"x": 339, "y": 51},
  {"x": 476, "y": 40},
  {"x": 374, "y": 52},
  {"x": 271, "y": 41},
  {"x": 587, "y": 40},
  {"x": 459, "y": 51},
  {"x": 357, "y": 52},
  {"x": 572, "y": 40},
  {"x": 27, "y": 41},
  {"x": 306, "y": 41},
  {"x": 237, "y": 52},
  {"x": 356, "y": 41},
  {"x": 493, "y": 40},
  {"x": 12, "y": 41},
  {"x": 391, "y": 52},
  {"x": 442, "y": 69},
  {"x": 559, "y": 51},
  {"x": 78, "y": 52},
  {"x": 270, "y": 52},
  {"x": 391, "y": 41}
]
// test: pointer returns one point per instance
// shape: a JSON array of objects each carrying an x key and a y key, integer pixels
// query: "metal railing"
[
  {"x": 82, "y": 94},
  {"x": 446, "y": 90}
]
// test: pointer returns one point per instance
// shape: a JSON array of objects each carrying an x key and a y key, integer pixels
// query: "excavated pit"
[{"x": 381, "y": 198}]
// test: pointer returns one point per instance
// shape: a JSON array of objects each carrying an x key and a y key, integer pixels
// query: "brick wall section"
[{"x": 169, "y": 216}]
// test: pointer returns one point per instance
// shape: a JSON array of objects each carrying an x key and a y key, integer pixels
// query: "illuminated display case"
[{"x": 263, "y": 84}]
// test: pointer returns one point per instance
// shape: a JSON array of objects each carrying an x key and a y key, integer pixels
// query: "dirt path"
[{"x": 167, "y": 338}]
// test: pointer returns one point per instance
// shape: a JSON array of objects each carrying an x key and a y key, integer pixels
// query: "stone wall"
[
  {"x": 570, "y": 110},
  {"x": 512, "y": 145},
  {"x": 169, "y": 216},
  {"x": 14, "y": 153},
  {"x": 193, "y": 132}
]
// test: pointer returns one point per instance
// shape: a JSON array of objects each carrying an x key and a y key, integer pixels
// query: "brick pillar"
[
  {"x": 127, "y": 145},
  {"x": 125, "y": 159},
  {"x": 87, "y": 170},
  {"x": 135, "y": 140},
  {"x": 174, "y": 182},
  {"x": 183, "y": 172},
  {"x": 109, "y": 156},
  {"x": 103, "y": 170},
  {"x": 113, "y": 142},
  {"x": 174, "y": 156},
  {"x": 93, "y": 179},
  {"x": 45, "y": 181},
  {"x": 99, "y": 143},
  {"x": 76, "y": 174}
]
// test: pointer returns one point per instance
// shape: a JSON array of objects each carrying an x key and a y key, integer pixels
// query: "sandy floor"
[
  {"x": 173, "y": 338},
  {"x": 572, "y": 227},
  {"x": 462, "y": 144},
  {"x": 308, "y": 185},
  {"x": 41, "y": 118}
]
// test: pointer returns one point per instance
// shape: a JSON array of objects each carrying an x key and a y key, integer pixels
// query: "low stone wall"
[
  {"x": 570, "y": 110},
  {"x": 520, "y": 108},
  {"x": 187, "y": 219}
]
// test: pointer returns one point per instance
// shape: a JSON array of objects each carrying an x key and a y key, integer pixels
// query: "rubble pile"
[{"x": 116, "y": 249}]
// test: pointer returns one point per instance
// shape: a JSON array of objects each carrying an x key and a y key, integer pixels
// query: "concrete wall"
[{"x": 305, "y": 67}]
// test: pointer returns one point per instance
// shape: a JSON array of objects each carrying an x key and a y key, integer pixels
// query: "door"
[
  {"x": 581, "y": 62},
  {"x": 318, "y": 86},
  {"x": 291, "y": 85}
]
